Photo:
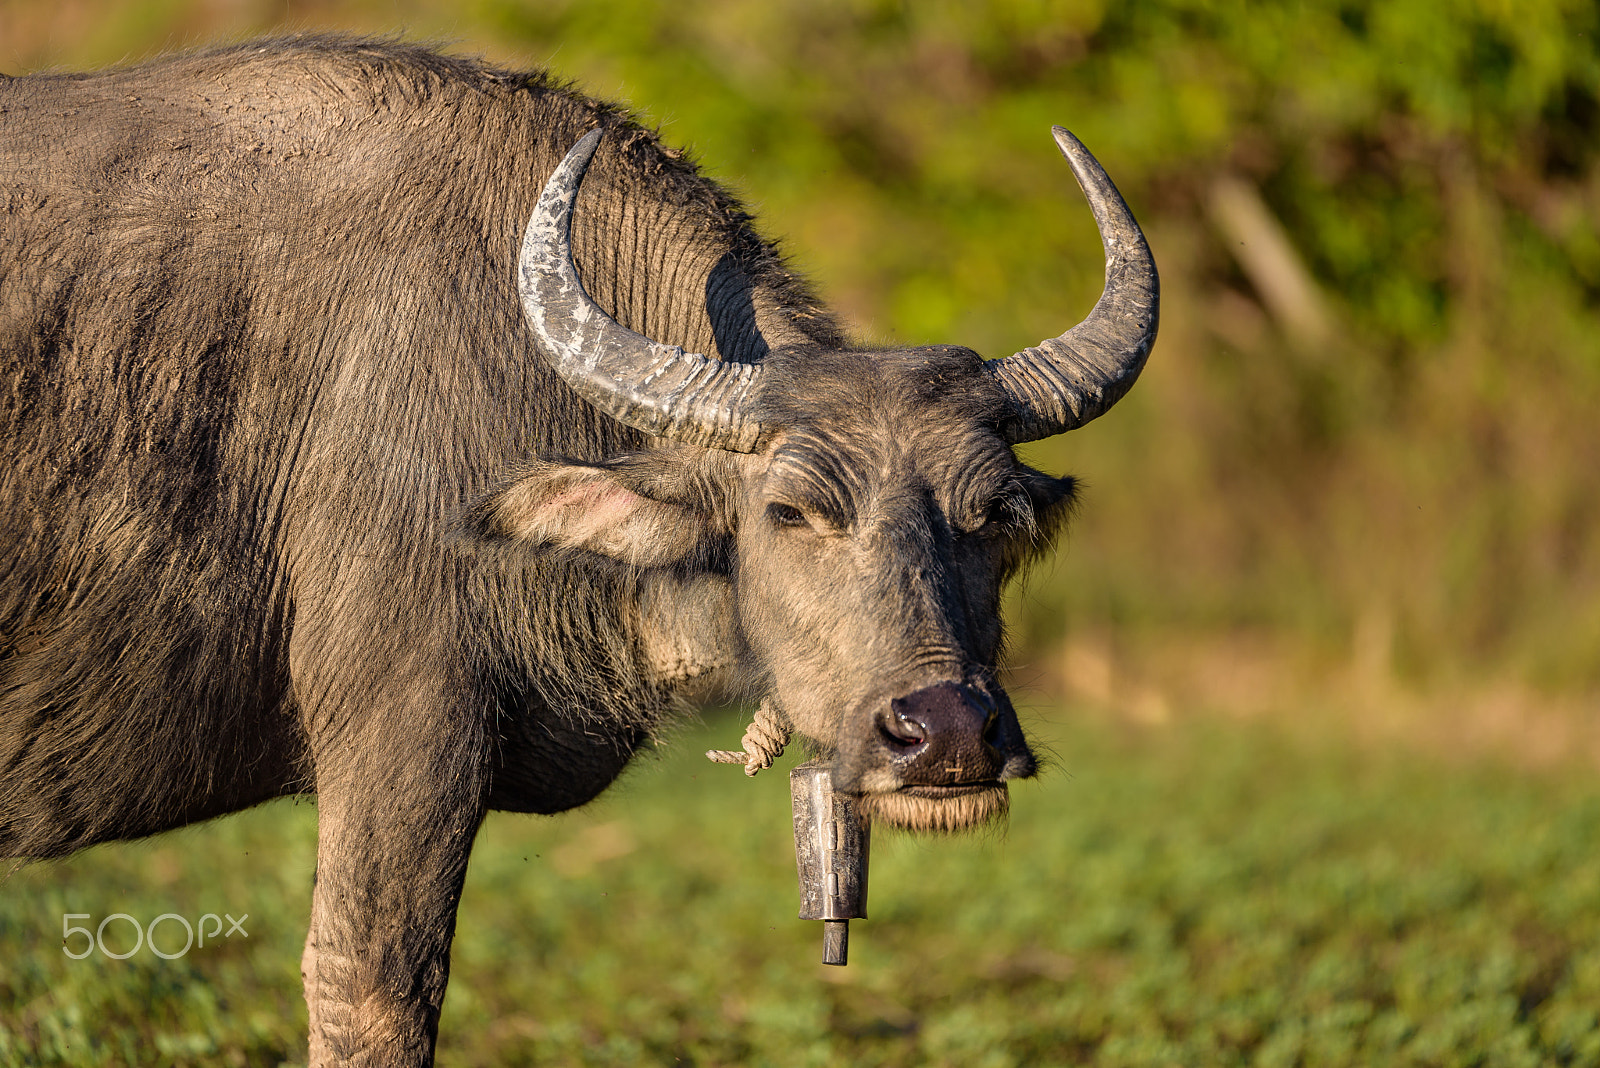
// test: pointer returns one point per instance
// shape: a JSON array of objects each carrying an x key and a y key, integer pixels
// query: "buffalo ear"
[
  {"x": 1052, "y": 501},
  {"x": 593, "y": 507}
]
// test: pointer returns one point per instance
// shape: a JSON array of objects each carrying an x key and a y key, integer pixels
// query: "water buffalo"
[{"x": 324, "y": 473}]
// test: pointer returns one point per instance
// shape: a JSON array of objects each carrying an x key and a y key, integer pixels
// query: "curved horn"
[
  {"x": 659, "y": 389},
  {"x": 1066, "y": 381}
]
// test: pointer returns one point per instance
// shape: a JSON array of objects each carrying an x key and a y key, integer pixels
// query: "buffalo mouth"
[
  {"x": 940, "y": 809},
  {"x": 938, "y": 792},
  {"x": 935, "y": 759}
]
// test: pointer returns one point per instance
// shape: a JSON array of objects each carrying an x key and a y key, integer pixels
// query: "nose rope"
[{"x": 763, "y": 742}]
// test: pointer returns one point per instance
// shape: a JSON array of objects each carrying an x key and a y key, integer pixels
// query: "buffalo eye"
[{"x": 784, "y": 515}]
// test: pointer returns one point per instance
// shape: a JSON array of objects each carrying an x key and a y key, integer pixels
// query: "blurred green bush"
[{"x": 1374, "y": 407}]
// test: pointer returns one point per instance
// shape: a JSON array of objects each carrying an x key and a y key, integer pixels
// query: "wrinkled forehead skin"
[
  {"x": 858, "y": 431},
  {"x": 877, "y": 531}
]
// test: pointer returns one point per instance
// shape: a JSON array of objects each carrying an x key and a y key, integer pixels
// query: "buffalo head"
[{"x": 863, "y": 510}]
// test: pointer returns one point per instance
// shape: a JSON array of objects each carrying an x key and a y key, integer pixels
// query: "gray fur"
[{"x": 292, "y": 502}]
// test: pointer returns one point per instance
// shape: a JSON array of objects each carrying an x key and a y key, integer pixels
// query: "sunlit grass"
[{"x": 1194, "y": 894}]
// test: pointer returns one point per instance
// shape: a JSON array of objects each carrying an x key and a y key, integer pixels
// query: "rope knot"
[{"x": 763, "y": 742}]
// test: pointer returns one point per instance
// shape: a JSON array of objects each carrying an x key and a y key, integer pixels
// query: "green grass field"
[{"x": 1197, "y": 894}]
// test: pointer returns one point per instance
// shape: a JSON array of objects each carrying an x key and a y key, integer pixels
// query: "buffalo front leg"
[
  {"x": 392, "y": 844},
  {"x": 308, "y": 967}
]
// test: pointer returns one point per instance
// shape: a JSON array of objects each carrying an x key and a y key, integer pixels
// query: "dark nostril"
[
  {"x": 902, "y": 731},
  {"x": 991, "y": 728}
]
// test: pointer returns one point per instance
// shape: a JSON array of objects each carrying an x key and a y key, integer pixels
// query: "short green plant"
[{"x": 1198, "y": 894}]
